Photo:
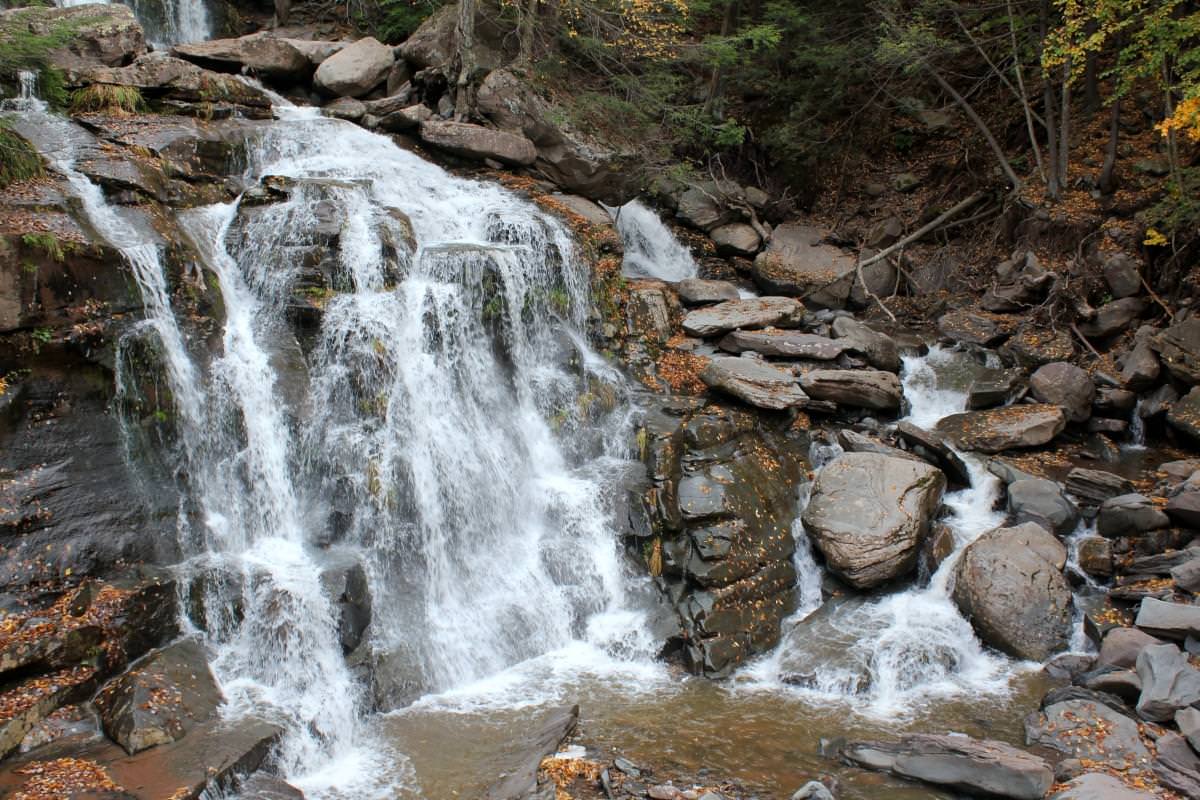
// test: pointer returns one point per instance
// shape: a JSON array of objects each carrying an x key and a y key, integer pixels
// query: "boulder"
[
  {"x": 1041, "y": 501},
  {"x": 1098, "y": 786},
  {"x": 1168, "y": 620},
  {"x": 315, "y": 50},
  {"x": 1113, "y": 318},
  {"x": 270, "y": 58},
  {"x": 933, "y": 448},
  {"x": 1179, "y": 349},
  {"x": 1122, "y": 274},
  {"x": 761, "y": 312},
  {"x": 1035, "y": 537},
  {"x": 736, "y": 239},
  {"x": 1177, "y": 765},
  {"x": 797, "y": 263},
  {"x": 1129, "y": 515},
  {"x": 783, "y": 344},
  {"x": 346, "y": 108},
  {"x": 1016, "y": 600},
  {"x": 594, "y": 214},
  {"x": 1095, "y": 556},
  {"x": 1188, "y": 720},
  {"x": 753, "y": 382},
  {"x": 1184, "y": 414},
  {"x": 704, "y": 205},
  {"x": 700, "y": 292},
  {"x": 648, "y": 314},
  {"x": 408, "y": 118},
  {"x": 1139, "y": 367},
  {"x": 91, "y": 35},
  {"x": 163, "y": 77},
  {"x": 1074, "y": 727},
  {"x": 868, "y": 514},
  {"x": 860, "y": 388},
  {"x": 958, "y": 762},
  {"x": 1020, "y": 283},
  {"x": 1184, "y": 509},
  {"x": 1033, "y": 347},
  {"x": 971, "y": 327},
  {"x": 544, "y": 739},
  {"x": 1093, "y": 486},
  {"x": 1064, "y": 385},
  {"x": 356, "y": 69},
  {"x": 878, "y": 348},
  {"x": 477, "y": 142},
  {"x": 160, "y": 698},
  {"x": 997, "y": 429},
  {"x": 1187, "y": 576},
  {"x": 1169, "y": 682}
]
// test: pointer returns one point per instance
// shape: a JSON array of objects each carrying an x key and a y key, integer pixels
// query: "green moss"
[
  {"x": 46, "y": 242},
  {"x": 21, "y": 48},
  {"x": 19, "y": 161},
  {"x": 107, "y": 98}
]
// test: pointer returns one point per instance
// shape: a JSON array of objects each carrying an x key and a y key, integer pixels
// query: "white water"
[
  {"x": 166, "y": 22},
  {"x": 651, "y": 250}
]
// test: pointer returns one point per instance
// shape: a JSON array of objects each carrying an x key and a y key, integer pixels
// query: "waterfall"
[
  {"x": 166, "y": 22},
  {"x": 1137, "y": 428},
  {"x": 651, "y": 250}
]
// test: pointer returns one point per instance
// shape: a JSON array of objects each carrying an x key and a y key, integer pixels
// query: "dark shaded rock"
[
  {"x": 1015, "y": 599},
  {"x": 1110, "y": 399},
  {"x": 1179, "y": 348},
  {"x": 1096, "y": 557},
  {"x": 1184, "y": 414},
  {"x": 994, "y": 430},
  {"x": 878, "y": 348},
  {"x": 1139, "y": 367},
  {"x": 543, "y": 740},
  {"x": 700, "y": 292},
  {"x": 30, "y": 701},
  {"x": 859, "y": 388},
  {"x": 477, "y": 142},
  {"x": 1093, "y": 486},
  {"x": 760, "y": 312},
  {"x": 783, "y": 344},
  {"x": 160, "y": 699},
  {"x": 869, "y": 513},
  {"x": 1042, "y": 502},
  {"x": 258, "y": 54},
  {"x": 1177, "y": 765},
  {"x": 1064, "y": 385},
  {"x": 1113, "y": 318},
  {"x": 1122, "y": 683},
  {"x": 347, "y": 585},
  {"x": 753, "y": 382},
  {"x": 1168, "y": 620},
  {"x": 946, "y": 459},
  {"x": 972, "y": 328},
  {"x": 995, "y": 388},
  {"x": 1129, "y": 515},
  {"x": 1184, "y": 509},
  {"x": 1169, "y": 682},
  {"x": 1034, "y": 347},
  {"x": 1019, "y": 284},
  {"x": 992, "y": 768},
  {"x": 797, "y": 263},
  {"x": 1122, "y": 275}
]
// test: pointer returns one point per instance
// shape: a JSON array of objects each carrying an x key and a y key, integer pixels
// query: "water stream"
[
  {"x": 651, "y": 250},
  {"x": 166, "y": 22}
]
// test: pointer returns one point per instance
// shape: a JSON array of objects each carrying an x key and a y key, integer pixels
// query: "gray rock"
[
  {"x": 959, "y": 762},
  {"x": 1168, "y": 620},
  {"x": 259, "y": 54},
  {"x": 1110, "y": 399},
  {"x": 700, "y": 292},
  {"x": 1122, "y": 275},
  {"x": 74, "y": 37},
  {"x": 1188, "y": 720},
  {"x": 1036, "y": 538},
  {"x": 1179, "y": 348},
  {"x": 1187, "y": 576},
  {"x": 1098, "y": 786},
  {"x": 1070, "y": 727},
  {"x": 261, "y": 786},
  {"x": 813, "y": 790},
  {"x": 797, "y": 263},
  {"x": 1042, "y": 502},
  {"x": 1016, "y": 600},
  {"x": 160, "y": 699},
  {"x": 1113, "y": 318},
  {"x": 702, "y": 205},
  {"x": 945, "y": 457},
  {"x": 761, "y": 312},
  {"x": 736, "y": 239},
  {"x": 543, "y": 740},
  {"x": 476, "y": 142},
  {"x": 1184, "y": 509},
  {"x": 648, "y": 314},
  {"x": 1184, "y": 414},
  {"x": 1095, "y": 556},
  {"x": 783, "y": 344},
  {"x": 1020, "y": 283},
  {"x": 753, "y": 382},
  {"x": 406, "y": 119},
  {"x": 997, "y": 429},
  {"x": 1169, "y": 682},
  {"x": 356, "y": 69},
  {"x": 164, "y": 77},
  {"x": 994, "y": 388},
  {"x": 1177, "y": 765},
  {"x": 1093, "y": 486},
  {"x": 316, "y": 51},
  {"x": 346, "y": 108},
  {"x": 594, "y": 214},
  {"x": 860, "y": 388},
  {"x": 878, "y": 348},
  {"x": 1064, "y": 385},
  {"x": 1122, "y": 683},
  {"x": 868, "y": 514},
  {"x": 1139, "y": 367},
  {"x": 853, "y": 442},
  {"x": 1129, "y": 515},
  {"x": 971, "y": 328}
]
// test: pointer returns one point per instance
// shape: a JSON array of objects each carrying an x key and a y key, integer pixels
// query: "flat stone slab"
[
  {"x": 760, "y": 312},
  {"x": 1168, "y": 620},
  {"x": 784, "y": 344},
  {"x": 998, "y": 429},
  {"x": 758, "y": 384}
]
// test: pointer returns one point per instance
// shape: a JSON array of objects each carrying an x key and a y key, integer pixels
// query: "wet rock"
[
  {"x": 859, "y": 388},
  {"x": 477, "y": 142},
  {"x": 591, "y": 212},
  {"x": 30, "y": 701},
  {"x": 1129, "y": 515},
  {"x": 648, "y": 314},
  {"x": 261, "y": 786},
  {"x": 1064, "y": 385},
  {"x": 1040, "y": 501},
  {"x": 797, "y": 263},
  {"x": 1096, "y": 557},
  {"x": 783, "y": 344},
  {"x": 813, "y": 790},
  {"x": 994, "y": 388},
  {"x": 1122, "y": 275},
  {"x": 347, "y": 586},
  {"x": 762, "y": 312},
  {"x": 878, "y": 348},
  {"x": 160, "y": 699},
  {"x": 1184, "y": 509},
  {"x": 972, "y": 328},
  {"x": 266, "y": 56},
  {"x": 1110, "y": 399},
  {"x": 1073, "y": 727},
  {"x": 1016, "y": 600},
  {"x": 1093, "y": 486},
  {"x": 541, "y": 741},
  {"x": 1098, "y": 786},
  {"x": 168, "y": 79},
  {"x": 1113, "y": 318},
  {"x": 994, "y": 430},
  {"x": 702, "y": 207},
  {"x": 1122, "y": 683},
  {"x": 354, "y": 70},
  {"x": 1169, "y": 682},
  {"x": 1168, "y": 620},
  {"x": 92, "y": 35},
  {"x": 943, "y": 456},
  {"x": 958, "y": 762},
  {"x": 1179, "y": 348},
  {"x": 753, "y": 382},
  {"x": 735, "y": 239},
  {"x": 868, "y": 514},
  {"x": 699, "y": 292},
  {"x": 1184, "y": 414}
]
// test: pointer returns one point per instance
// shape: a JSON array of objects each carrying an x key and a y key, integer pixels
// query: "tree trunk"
[
  {"x": 979, "y": 123},
  {"x": 464, "y": 34},
  {"x": 1053, "y": 184},
  {"x": 1107, "y": 182},
  {"x": 1091, "y": 77},
  {"x": 1016, "y": 53},
  {"x": 1064, "y": 139},
  {"x": 527, "y": 24},
  {"x": 714, "y": 105}
]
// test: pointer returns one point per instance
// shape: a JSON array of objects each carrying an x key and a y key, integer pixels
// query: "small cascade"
[
  {"x": 27, "y": 94},
  {"x": 651, "y": 250},
  {"x": 166, "y": 22},
  {"x": 1137, "y": 428}
]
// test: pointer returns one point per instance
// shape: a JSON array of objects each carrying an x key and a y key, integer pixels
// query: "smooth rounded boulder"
[
  {"x": 1017, "y": 600},
  {"x": 868, "y": 514},
  {"x": 355, "y": 70},
  {"x": 1064, "y": 385}
]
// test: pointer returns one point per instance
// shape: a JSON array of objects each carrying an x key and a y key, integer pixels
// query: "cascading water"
[
  {"x": 651, "y": 250},
  {"x": 166, "y": 22}
]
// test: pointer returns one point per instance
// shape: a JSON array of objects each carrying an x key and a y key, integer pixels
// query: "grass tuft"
[
  {"x": 107, "y": 98},
  {"x": 19, "y": 161}
]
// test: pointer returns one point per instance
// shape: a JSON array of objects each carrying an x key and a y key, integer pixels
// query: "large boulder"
[
  {"x": 1113, "y": 318},
  {"x": 861, "y": 388},
  {"x": 1016, "y": 599},
  {"x": 478, "y": 142},
  {"x": 798, "y": 263},
  {"x": 71, "y": 38},
  {"x": 433, "y": 44},
  {"x": 164, "y": 77},
  {"x": 1042, "y": 502},
  {"x": 271, "y": 58},
  {"x": 571, "y": 157},
  {"x": 1184, "y": 414},
  {"x": 355, "y": 70},
  {"x": 753, "y": 382},
  {"x": 1064, "y": 385},
  {"x": 868, "y": 514},
  {"x": 760, "y": 312},
  {"x": 997, "y": 429},
  {"x": 1179, "y": 349},
  {"x": 878, "y": 348},
  {"x": 1169, "y": 682},
  {"x": 978, "y": 767},
  {"x": 1129, "y": 515},
  {"x": 1168, "y": 620},
  {"x": 1072, "y": 727},
  {"x": 1122, "y": 273},
  {"x": 701, "y": 292}
]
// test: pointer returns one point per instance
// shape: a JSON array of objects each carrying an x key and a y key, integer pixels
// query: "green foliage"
[
  {"x": 393, "y": 21},
  {"x": 107, "y": 98},
  {"x": 19, "y": 161},
  {"x": 47, "y": 243},
  {"x": 28, "y": 47},
  {"x": 1178, "y": 212}
]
